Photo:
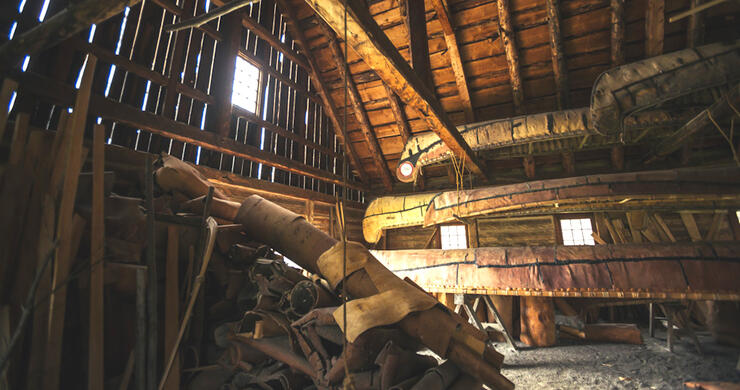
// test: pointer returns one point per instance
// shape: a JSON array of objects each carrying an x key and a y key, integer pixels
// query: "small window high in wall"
[
  {"x": 245, "y": 93},
  {"x": 577, "y": 231},
  {"x": 453, "y": 237}
]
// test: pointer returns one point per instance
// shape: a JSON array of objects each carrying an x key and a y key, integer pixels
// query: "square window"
[
  {"x": 453, "y": 237},
  {"x": 577, "y": 231},
  {"x": 246, "y": 85}
]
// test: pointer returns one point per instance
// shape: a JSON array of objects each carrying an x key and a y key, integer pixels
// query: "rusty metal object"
[{"x": 670, "y": 270}]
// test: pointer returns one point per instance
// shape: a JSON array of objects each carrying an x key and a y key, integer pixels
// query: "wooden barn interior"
[{"x": 369, "y": 194}]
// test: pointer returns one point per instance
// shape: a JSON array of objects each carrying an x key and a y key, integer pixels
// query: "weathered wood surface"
[
  {"x": 677, "y": 189},
  {"x": 371, "y": 43},
  {"x": 606, "y": 271}
]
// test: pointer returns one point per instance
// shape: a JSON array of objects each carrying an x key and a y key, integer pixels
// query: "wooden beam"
[
  {"x": 401, "y": 121},
  {"x": 529, "y": 166},
  {"x": 443, "y": 15},
  {"x": 558, "y": 54},
  {"x": 703, "y": 120},
  {"x": 173, "y": 8},
  {"x": 79, "y": 15},
  {"x": 96, "y": 357},
  {"x": 132, "y": 116},
  {"x": 416, "y": 24},
  {"x": 172, "y": 304},
  {"x": 272, "y": 40},
  {"x": 617, "y": 32},
  {"x": 379, "y": 53},
  {"x": 654, "y": 28},
  {"x": 569, "y": 162},
  {"x": 319, "y": 83},
  {"x": 358, "y": 108},
  {"x": 695, "y": 31},
  {"x": 659, "y": 220},
  {"x": 219, "y": 118},
  {"x": 617, "y": 157},
  {"x": 6, "y": 93},
  {"x": 71, "y": 160},
  {"x": 715, "y": 226},
  {"x": 508, "y": 38},
  {"x": 690, "y": 223},
  {"x": 260, "y": 63}
]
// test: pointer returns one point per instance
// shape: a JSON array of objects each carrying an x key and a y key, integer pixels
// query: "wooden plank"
[
  {"x": 636, "y": 222},
  {"x": 152, "y": 291},
  {"x": 508, "y": 37},
  {"x": 58, "y": 302},
  {"x": 318, "y": 81},
  {"x": 379, "y": 53},
  {"x": 659, "y": 220},
  {"x": 617, "y": 32},
  {"x": 96, "y": 357},
  {"x": 558, "y": 55},
  {"x": 172, "y": 304},
  {"x": 357, "y": 107},
  {"x": 6, "y": 93},
  {"x": 71, "y": 160},
  {"x": 173, "y": 8},
  {"x": 714, "y": 227},
  {"x": 690, "y": 223},
  {"x": 654, "y": 28},
  {"x": 399, "y": 114},
  {"x": 78, "y": 16},
  {"x": 443, "y": 15},
  {"x": 132, "y": 116},
  {"x": 20, "y": 137},
  {"x": 620, "y": 230}
]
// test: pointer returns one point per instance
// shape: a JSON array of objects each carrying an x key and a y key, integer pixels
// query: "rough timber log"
[
  {"x": 537, "y": 321},
  {"x": 690, "y": 187},
  {"x": 379, "y": 53},
  {"x": 663, "y": 271},
  {"x": 370, "y": 285}
]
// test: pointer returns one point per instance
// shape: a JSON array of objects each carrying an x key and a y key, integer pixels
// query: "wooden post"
[
  {"x": 617, "y": 157},
  {"x": 6, "y": 93},
  {"x": 569, "y": 162},
  {"x": 152, "y": 285},
  {"x": 695, "y": 31},
  {"x": 96, "y": 373},
  {"x": 508, "y": 38},
  {"x": 654, "y": 28},
  {"x": 558, "y": 55},
  {"x": 223, "y": 79},
  {"x": 140, "y": 349},
  {"x": 617, "y": 32},
  {"x": 691, "y": 227},
  {"x": 537, "y": 321},
  {"x": 172, "y": 303},
  {"x": 529, "y": 166},
  {"x": 71, "y": 160}
]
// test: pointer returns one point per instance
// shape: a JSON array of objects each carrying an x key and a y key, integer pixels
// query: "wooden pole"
[
  {"x": 96, "y": 373},
  {"x": 152, "y": 280},
  {"x": 537, "y": 321},
  {"x": 506, "y": 31},
  {"x": 172, "y": 305}
]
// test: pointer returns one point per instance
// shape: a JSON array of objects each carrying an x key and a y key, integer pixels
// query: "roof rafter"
[
  {"x": 558, "y": 56},
  {"x": 506, "y": 32},
  {"x": 357, "y": 106},
  {"x": 374, "y": 47},
  {"x": 320, "y": 85},
  {"x": 403, "y": 124},
  {"x": 443, "y": 14}
]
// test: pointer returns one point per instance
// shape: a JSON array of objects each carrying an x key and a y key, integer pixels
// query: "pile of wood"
[{"x": 150, "y": 277}]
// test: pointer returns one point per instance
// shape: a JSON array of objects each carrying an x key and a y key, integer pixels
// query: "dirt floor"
[{"x": 579, "y": 365}]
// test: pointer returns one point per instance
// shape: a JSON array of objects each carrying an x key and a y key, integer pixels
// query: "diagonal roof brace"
[{"x": 371, "y": 43}]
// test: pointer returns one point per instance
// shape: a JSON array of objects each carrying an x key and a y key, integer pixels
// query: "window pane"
[
  {"x": 246, "y": 85},
  {"x": 577, "y": 231},
  {"x": 453, "y": 237}
]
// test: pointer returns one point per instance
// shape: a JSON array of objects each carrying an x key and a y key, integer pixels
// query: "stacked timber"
[{"x": 186, "y": 288}]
